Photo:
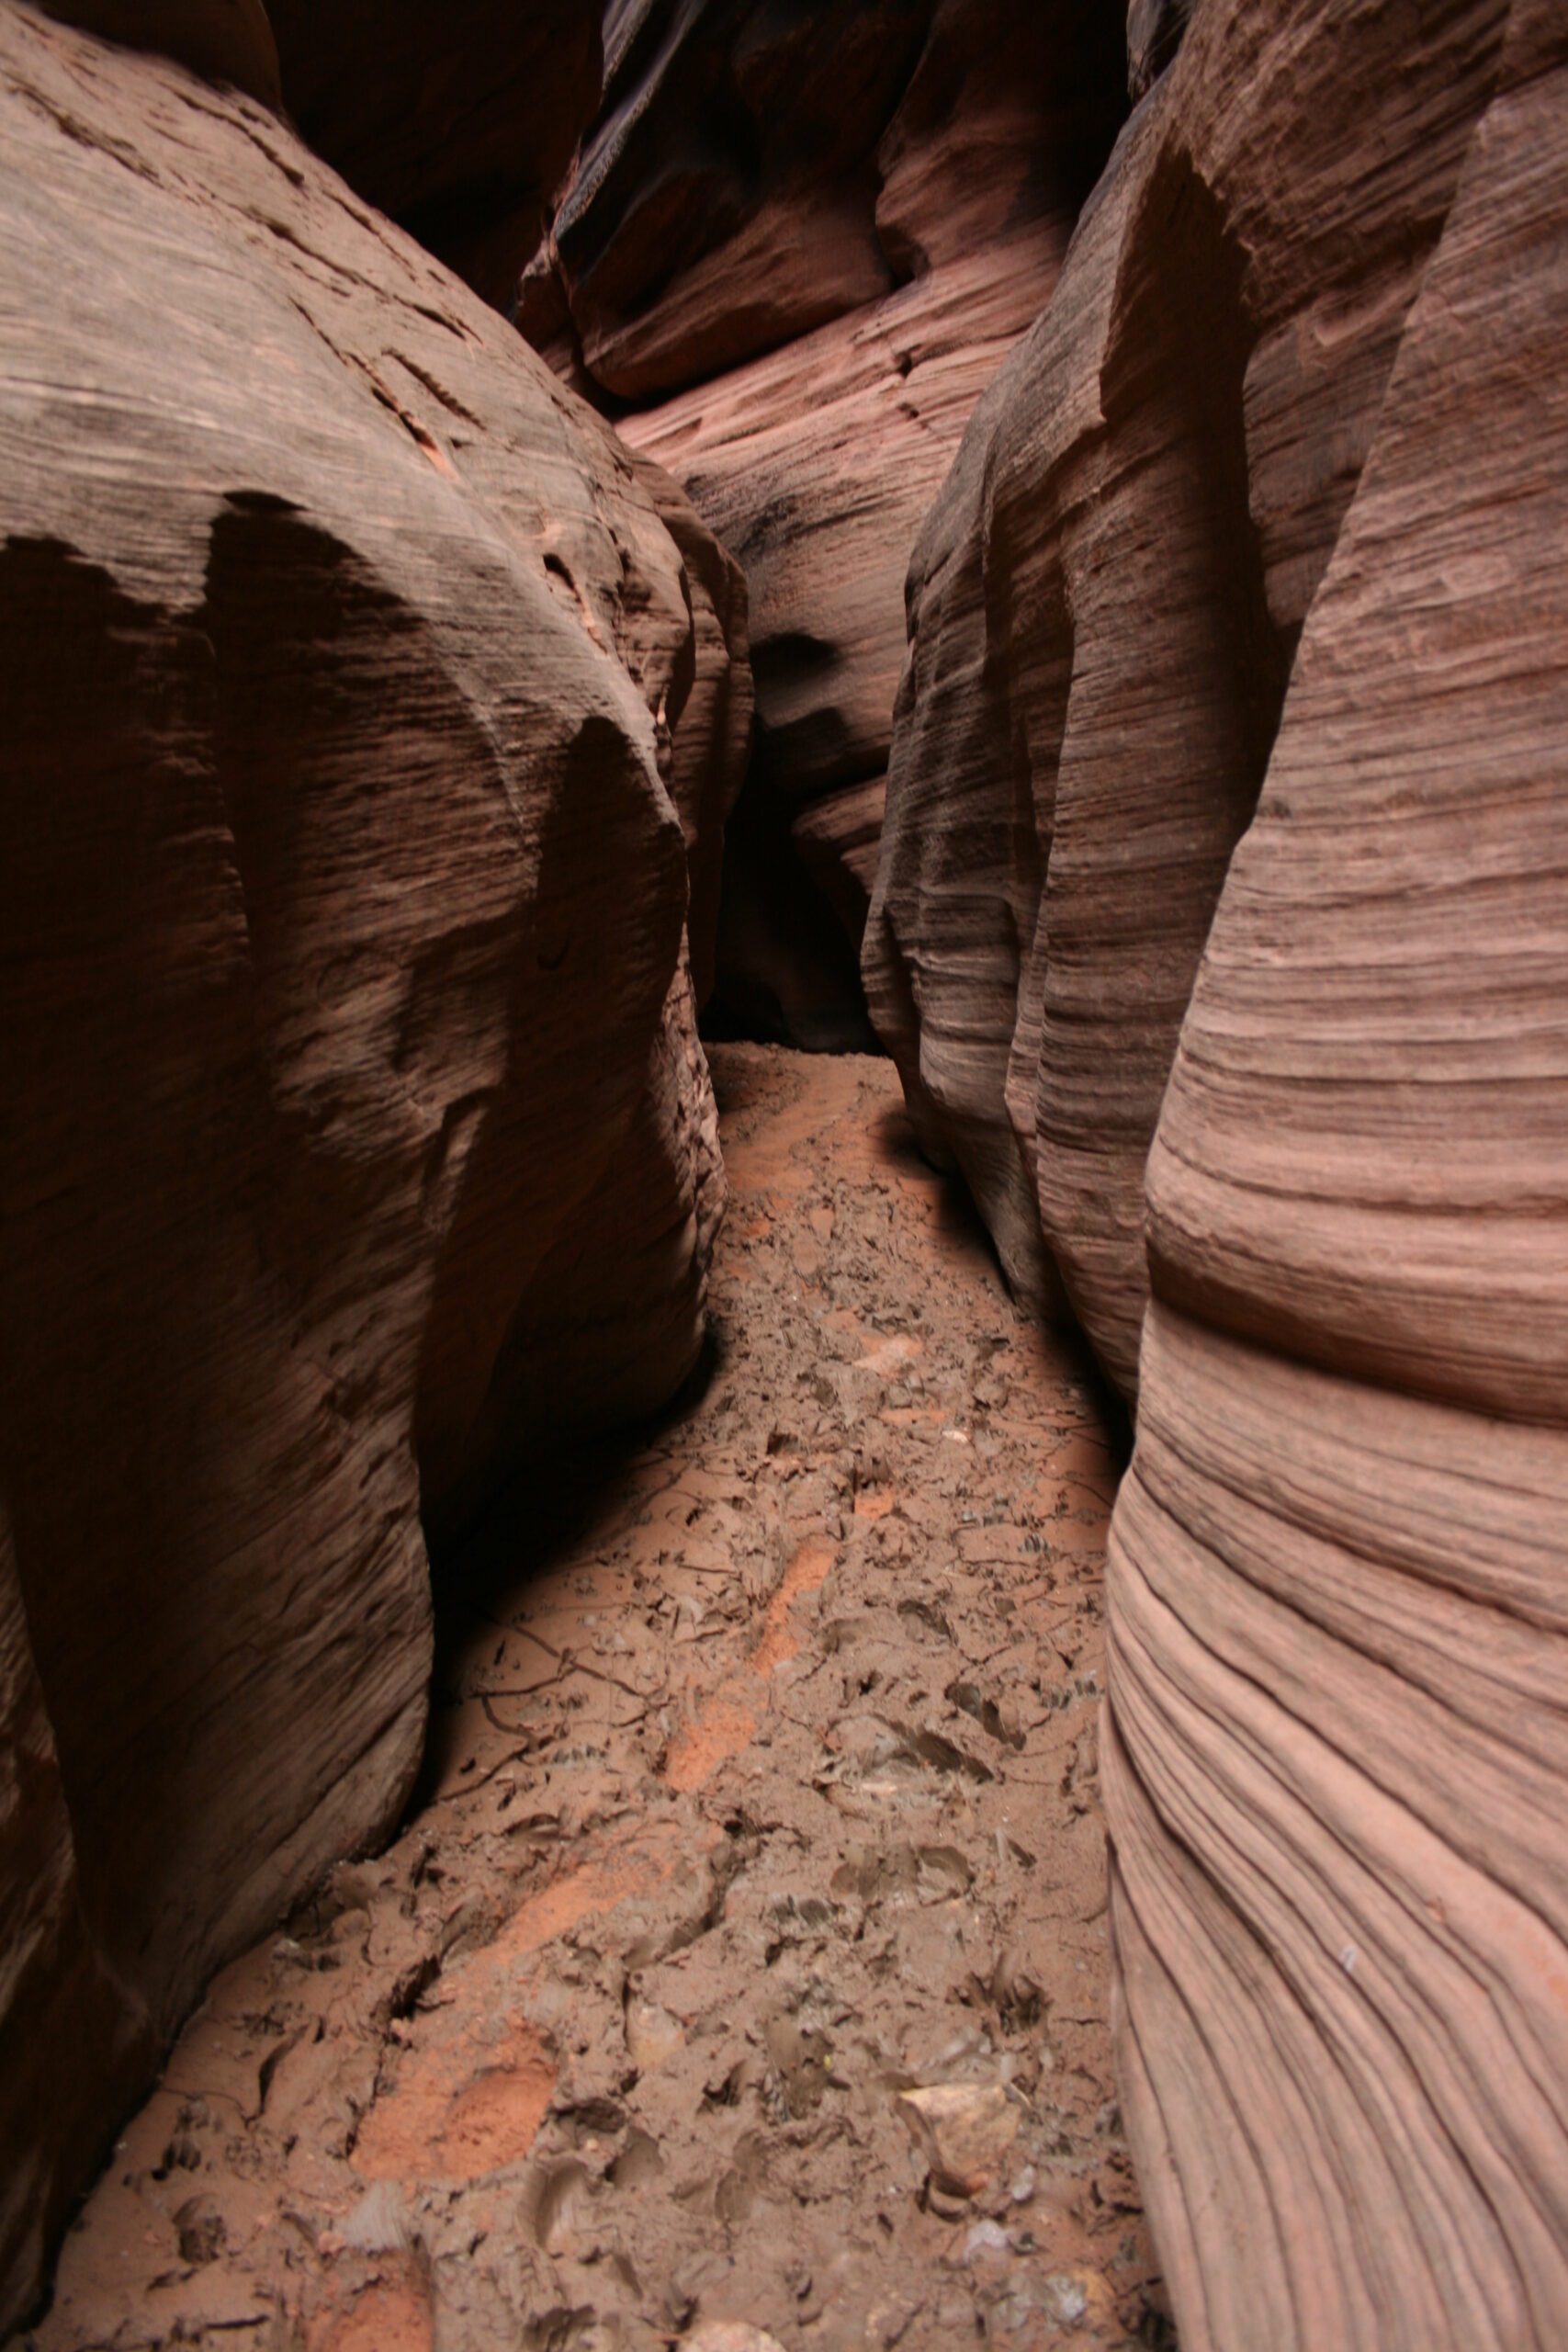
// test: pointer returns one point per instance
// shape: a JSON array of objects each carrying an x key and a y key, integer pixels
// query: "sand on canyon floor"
[{"x": 744, "y": 1956}]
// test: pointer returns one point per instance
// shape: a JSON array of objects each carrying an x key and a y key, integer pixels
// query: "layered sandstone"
[
  {"x": 1106, "y": 598},
  {"x": 358, "y": 687},
  {"x": 795, "y": 249},
  {"x": 1246, "y": 595},
  {"x": 1339, "y": 1659},
  {"x": 458, "y": 122}
]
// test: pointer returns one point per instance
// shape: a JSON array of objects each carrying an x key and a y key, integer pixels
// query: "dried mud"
[{"x": 745, "y": 1956}]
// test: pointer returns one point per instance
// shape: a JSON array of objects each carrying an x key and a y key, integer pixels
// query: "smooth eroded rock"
[
  {"x": 358, "y": 1135},
  {"x": 1246, "y": 595},
  {"x": 1339, "y": 1617},
  {"x": 920, "y": 171},
  {"x": 1106, "y": 599}
]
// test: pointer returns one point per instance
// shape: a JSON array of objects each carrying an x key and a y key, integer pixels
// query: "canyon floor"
[{"x": 744, "y": 1956}]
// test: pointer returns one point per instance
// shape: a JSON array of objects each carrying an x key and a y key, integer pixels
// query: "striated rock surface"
[
  {"x": 1155, "y": 28},
  {"x": 349, "y": 667},
  {"x": 223, "y": 40},
  {"x": 1107, "y": 597},
  {"x": 1245, "y": 594},
  {"x": 1336, "y": 1763},
  {"x": 798, "y": 242},
  {"x": 725, "y": 199}
]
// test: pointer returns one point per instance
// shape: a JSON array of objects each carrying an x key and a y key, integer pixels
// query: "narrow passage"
[{"x": 745, "y": 1957}]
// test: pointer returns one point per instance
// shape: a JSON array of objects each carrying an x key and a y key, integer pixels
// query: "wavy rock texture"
[
  {"x": 1339, "y": 1669},
  {"x": 1106, "y": 599},
  {"x": 724, "y": 200},
  {"x": 349, "y": 667},
  {"x": 1295, "y": 414},
  {"x": 828, "y": 225}
]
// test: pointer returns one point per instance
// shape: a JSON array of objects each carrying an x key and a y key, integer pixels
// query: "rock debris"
[{"x": 740, "y": 1978}]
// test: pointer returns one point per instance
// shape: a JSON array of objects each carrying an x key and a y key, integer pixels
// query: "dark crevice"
[{"x": 787, "y": 972}]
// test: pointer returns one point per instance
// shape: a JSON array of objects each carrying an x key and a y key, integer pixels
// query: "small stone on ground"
[{"x": 739, "y": 1979}]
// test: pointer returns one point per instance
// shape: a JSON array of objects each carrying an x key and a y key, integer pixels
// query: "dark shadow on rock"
[
  {"x": 787, "y": 972},
  {"x": 546, "y": 1134},
  {"x": 959, "y": 1220},
  {"x": 546, "y": 1509}
]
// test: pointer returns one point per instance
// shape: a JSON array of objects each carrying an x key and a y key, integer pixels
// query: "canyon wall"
[
  {"x": 1106, "y": 599},
  {"x": 458, "y": 122},
  {"x": 367, "y": 706},
  {"x": 793, "y": 251},
  {"x": 1229, "y": 815}
]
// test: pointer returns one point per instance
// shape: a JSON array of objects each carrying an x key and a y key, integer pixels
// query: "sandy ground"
[{"x": 744, "y": 1958}]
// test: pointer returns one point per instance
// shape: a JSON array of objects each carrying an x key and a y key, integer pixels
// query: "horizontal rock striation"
[
  {"x": 362, "y": 696},
  {"x": 1220, "y": 911},
  {"x": 1107, "y": 597},
  {"x": 1339, "y": 1665},
  {"x": 795, "y": 249}
]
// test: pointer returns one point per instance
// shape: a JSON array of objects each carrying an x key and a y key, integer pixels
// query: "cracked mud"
[{"x": 741, "y": 1972}]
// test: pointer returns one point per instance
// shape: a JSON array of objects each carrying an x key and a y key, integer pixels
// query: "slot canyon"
[{"x": 783, "y": 1176}]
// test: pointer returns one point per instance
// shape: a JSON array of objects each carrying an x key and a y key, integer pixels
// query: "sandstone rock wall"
[
  {"x": 459, "y": 121},
  {"x": 1106, "y": 599},
  {"x": 229, "y": 42},
  {"x": 358, "y": 684},
  {"x": 798, "y": 243},
  {"x": 1336, "y": 1761},
  {"x": 75, "y": 2045},
  {"x": 1246, "y": 595}
]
